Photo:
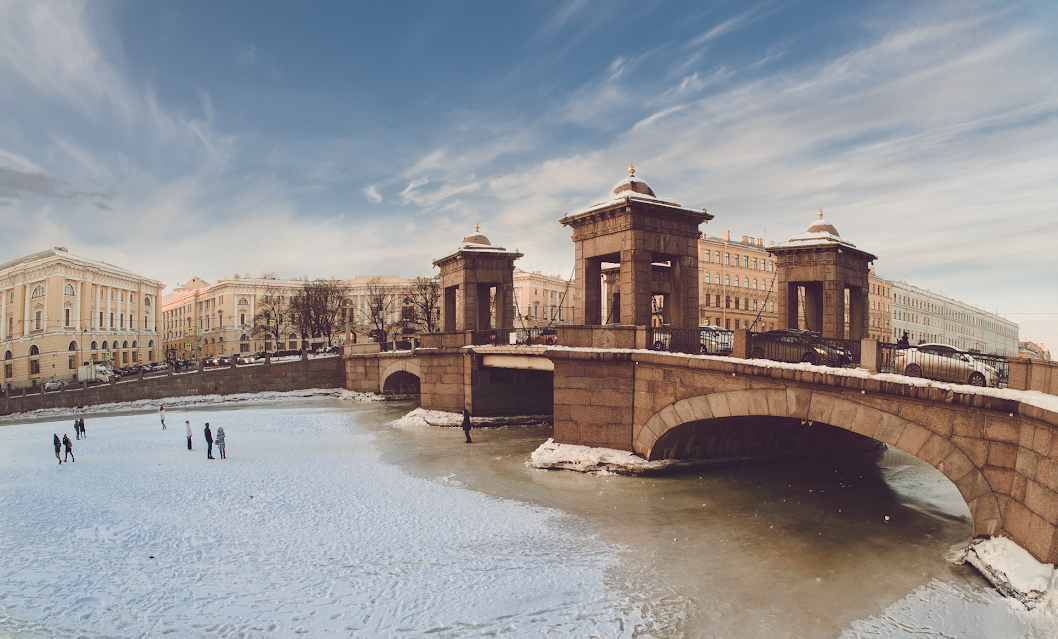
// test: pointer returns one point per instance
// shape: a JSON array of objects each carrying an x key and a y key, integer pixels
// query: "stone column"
[
  {"x": 636, "y": 287},
  {"x": 815, "y": 308},
  {"x": 858, "y": 314},
  {"x": 588, "y": 298},
  {"x": 448, "y": 317},
  {"x": 834, "y": 309}
]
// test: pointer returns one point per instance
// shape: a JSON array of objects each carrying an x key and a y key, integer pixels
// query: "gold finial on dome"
[
  {"x": 631, "y": 170},
  {"x": 477, "y": 227},
  {"x": 821, "y": 214}
]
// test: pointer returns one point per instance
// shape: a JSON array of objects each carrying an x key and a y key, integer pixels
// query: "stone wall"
[
  {"x": 326, "y": 372},
  {"x": 594, "y": 398}
]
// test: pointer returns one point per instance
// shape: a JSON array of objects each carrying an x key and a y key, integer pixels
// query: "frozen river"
[{"x": 328, "y": 520}]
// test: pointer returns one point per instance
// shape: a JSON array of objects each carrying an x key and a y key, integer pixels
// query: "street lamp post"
[{"x": 84, "y": 331}]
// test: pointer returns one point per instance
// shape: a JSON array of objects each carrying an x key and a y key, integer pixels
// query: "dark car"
[
  {"x": 791, "y": 345},
  {"x": 223, "y": 360}
]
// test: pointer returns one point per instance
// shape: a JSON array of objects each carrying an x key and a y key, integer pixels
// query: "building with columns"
[
  {"x": 200, "y": 319},
  {"x": 59, "y": 310},
  {"x": 541, "y": 300}
]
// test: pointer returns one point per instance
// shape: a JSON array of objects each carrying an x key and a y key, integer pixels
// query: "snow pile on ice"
[
  {"x": 422, "y": 417},
  {"x": 196, "y": 400},
  {"x": 1012, "y": 570},
  {"x": 587, "y": 459}
]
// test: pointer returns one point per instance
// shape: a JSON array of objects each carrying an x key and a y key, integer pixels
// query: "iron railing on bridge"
[
  {"x": 803, "y": 346},
  {"x": 704, "y": 340},
  {"x": 944, "y": 364}
]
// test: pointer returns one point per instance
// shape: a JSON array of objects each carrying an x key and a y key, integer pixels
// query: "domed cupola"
[
  {"x": 822, "y": 226},
  {"x": 634, "y": 184}
]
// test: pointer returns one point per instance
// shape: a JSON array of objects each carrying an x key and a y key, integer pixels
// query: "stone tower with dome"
[
  {"x": 477, "y": 278},
  {"x": 654, "y": 244},
  {"x": 825, "y": 267}
]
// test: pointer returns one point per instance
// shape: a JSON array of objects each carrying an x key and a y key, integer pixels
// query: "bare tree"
[
  {"x": 316, "y": 309},
  {"x": 425, "y": 296},
  {"x": 379, "y": 318},
  {"x": 272, "y": 318}
]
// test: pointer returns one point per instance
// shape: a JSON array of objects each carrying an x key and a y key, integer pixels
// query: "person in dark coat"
[
  {"x": 77, "y": 428},
  {"x": 466, "y": 425},
  {"x": 209, "y": 443},
  {"x": 69, "y": 447},
  {"x": 58, "y": 448},
  {"x": 83, "y": 435}
]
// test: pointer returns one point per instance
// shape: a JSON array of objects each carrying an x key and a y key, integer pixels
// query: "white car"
[
  {"x": 53, "y": 385},
  {"x": 247, "y": 358}
]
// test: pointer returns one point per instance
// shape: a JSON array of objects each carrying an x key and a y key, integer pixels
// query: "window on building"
[
  {"x": 121, "y": 321},
  {"x": 707, "y": 278},
  {"x": 66, "y": 317},
  {"x": 727, "y": 280},
  {"x": 727, "y": 259},
  {"x": 38, "y": 291},
  {"x": 38, "y": 322},
  {"x": 68, "y": 289}
]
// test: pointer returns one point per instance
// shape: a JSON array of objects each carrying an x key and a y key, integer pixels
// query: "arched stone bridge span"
[{"x": 1001, "y": 454}]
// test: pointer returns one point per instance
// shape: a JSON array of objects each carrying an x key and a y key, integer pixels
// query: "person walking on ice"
[
  {"x": 69, "y": 447},
  {"x": 209, "y": 443},
  {"x": 77, "y": 428},
  {"x": 466, "y": 425},
  {"x": 58, "y": 448},
  {"x": 161, "y": 414},
  {"x": 187, "y": 427},
  {"x": 220, "y": 442}
]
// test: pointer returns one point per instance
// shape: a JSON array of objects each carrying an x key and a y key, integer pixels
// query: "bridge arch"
[
  {"x": 910, "y": 436},
  {"x": 401, "y": 377}
]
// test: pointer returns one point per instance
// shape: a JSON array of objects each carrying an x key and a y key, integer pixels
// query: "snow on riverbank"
[
  {"x": 193, "y": 400},
  {"x": 1013, "y": 571}
]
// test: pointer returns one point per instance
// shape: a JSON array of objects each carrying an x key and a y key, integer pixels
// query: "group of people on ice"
[
  {"x": 78, "y": 428},
  {"x": 210, "y": 440}
]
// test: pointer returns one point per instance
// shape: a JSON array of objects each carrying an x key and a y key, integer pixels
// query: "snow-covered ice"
[{"x": 302, "y": 530}]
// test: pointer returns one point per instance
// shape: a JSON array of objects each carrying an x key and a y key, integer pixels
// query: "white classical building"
[
  {"x": 59, "y": 310},
  {"x": 934, "y": 318}
]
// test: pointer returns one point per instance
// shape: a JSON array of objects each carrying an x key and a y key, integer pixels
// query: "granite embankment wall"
[{"x": 326, "y": 372}]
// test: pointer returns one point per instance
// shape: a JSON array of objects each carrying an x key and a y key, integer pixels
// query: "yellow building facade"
[
  {"x": 60, "y": 310},
  {"x": 737, "y": 280}
]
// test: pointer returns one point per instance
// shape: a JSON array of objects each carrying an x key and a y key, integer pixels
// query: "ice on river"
[
  {"x": 301, "y": 530},
  {"x": 305, "y": 530}
]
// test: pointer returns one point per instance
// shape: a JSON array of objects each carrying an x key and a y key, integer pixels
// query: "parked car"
[
  {"x": 716, "y": 340},
  {"x": 791, "y": 345},
  {"x": 159, "y": 367},
  {"x": 223, "y": 360},
  {"x": 944, "y": 363},
  {"x": 52, "y": 385}
]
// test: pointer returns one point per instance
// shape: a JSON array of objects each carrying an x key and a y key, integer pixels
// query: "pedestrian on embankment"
[
  {"x": 220, "y": 442},
  {"x": 161, "y": 415},
  {"x": 83, "y": 434},
  {"x": 69, "y": 447},
  {"x": 77, "y": 428},
  {"x": 187, "y": 427},
  {"x": 466, "y": 425},
  {"x": 58, "y": 448},
  {"x": 209, "y": 443}
]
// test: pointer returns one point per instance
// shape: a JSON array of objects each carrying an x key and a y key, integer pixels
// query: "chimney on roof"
[
  {"x": 62, "y": 248},
  {"x": 760, "y": 241},
  {"x": 726, "y": 236}
]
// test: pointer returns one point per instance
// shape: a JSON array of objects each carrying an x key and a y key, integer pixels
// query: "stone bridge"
[{"x": 1001, "y": 454}]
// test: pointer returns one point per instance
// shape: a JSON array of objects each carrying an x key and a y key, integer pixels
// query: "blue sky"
[{"x": 207, "y": 139}]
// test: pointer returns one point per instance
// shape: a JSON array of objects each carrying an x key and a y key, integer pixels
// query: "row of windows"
[
  {"x": 743, "y": 282},
  {"x": 741, "y": 261},
  {"x": 737, "y": 303}
]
